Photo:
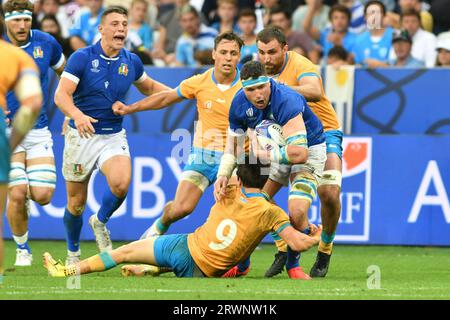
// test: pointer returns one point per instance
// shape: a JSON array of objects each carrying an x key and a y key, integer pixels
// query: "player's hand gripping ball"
[{"x": 269, "y": 135}]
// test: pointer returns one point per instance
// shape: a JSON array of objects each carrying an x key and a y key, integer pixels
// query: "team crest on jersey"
[
  {"x": 77, "y": 169},
  {"x": 123, "y": 69},
  {"x": 38, "y": 53}
]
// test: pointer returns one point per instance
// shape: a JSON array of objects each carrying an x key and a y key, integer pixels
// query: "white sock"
[
  {"x": 74, "y": 254},
  {"x": 21, "y": 240}
]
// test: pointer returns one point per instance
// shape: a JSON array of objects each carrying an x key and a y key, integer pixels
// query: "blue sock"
[
  {"x": 243, "y": 265},
  {"x": 24, "y": 247},
  {"x": 161, "y": 226},
  {"x": 73, "y": 226},
  {"x": 293, "y": 257},
  {"x": 110, "y": 203}
]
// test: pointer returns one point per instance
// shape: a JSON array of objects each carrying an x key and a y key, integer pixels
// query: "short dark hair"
[
  {"x": 410, "y": 13},
  {"x": 17, "y": 5},
  {"x": 280, "y": 10},
  {"x": 340, "y": 8},
  {"x": 268, "y": 34},
  {"x": 187, "y": 8},
  {"x": 377, "y": 2},
  {"x": 230, "y": 36},
  {"x": 251, "y": 174},
  {"x": 114, "y": 9},
  {"x": 247, "y": 12},
  {"x": 253, "y": 70},
  {"x": 339, "y": 52}
]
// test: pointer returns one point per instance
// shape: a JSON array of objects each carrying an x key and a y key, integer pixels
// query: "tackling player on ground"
[
  {"x": 93, "y": 79},
  {"x": 33, "y": 172},
  {"x": 214, "y": 90},
  {"x": 18, "y": 72},
  {"x": 303, "y": 76},
  {"x": 234, "y": 228},
  {"x": 303, "y": 157}
]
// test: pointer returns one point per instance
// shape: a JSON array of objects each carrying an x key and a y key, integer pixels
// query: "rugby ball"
[{"x": 269, "y": 135}]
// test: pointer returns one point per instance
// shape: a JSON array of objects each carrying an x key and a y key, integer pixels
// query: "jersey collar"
[
  {"x": 286, "y": 58},
  {"x": 236, "y": 78},
  {"x": 255, "y": 194},
  {"x": 99, "y": 50},
  {"x": 6, "y": 38}
]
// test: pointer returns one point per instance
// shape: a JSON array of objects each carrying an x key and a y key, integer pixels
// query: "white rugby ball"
[{"x": 269, "y": 135}]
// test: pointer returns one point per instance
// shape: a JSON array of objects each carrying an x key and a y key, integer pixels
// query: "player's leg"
[
  {"x": 117, "y": 171},
  {"x": 3, "y": 192},
  {"x": 4, "y": 178},
  {"x": 17, "y": 212},
  {"x": 329, "y": 193}
]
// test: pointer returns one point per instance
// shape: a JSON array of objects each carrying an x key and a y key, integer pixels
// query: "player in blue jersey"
[
  {"x": 33, "y": 174},
  {"x": 301, "y": 161},
  {"x": 94, "y": 78}
]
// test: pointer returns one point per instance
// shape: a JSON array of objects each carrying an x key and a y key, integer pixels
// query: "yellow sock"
[
  {"x": 95, "y": 263},
  {"x": 325, "y": 247},
  {"x": 281, "y": 245}
]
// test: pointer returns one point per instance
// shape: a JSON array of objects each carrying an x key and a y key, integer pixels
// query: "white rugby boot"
[
  {"x": 101, "y": 234},
  {"x": 23, "y": 258}
]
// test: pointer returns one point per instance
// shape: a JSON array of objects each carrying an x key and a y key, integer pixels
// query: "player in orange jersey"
[
  {"x": 214, "y": 91},
  {"x": 234, "y": 228},
  {"x": 18, "y": 72},
  {"x": 303, "y": 76}
]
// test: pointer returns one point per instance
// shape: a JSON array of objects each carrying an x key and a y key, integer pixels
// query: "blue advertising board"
[{"x": 395, "y": 191}]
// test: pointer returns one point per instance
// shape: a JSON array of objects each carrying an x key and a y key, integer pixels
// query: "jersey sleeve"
[
  {"x": 139, "y": 69},
  {"x": 57, "y": 58},
  {"x": 188, "y": 88},
  {"x": 291, "y": 106},
  {"x": 75, "y": 66},
  {"x": 306, "y": 68},
  {"x": 276, "y": 219},
  {"x": 238, "y": 127}
]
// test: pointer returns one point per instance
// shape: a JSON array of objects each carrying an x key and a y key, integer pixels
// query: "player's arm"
[
  {"x": 28, "y": 92},
  {"x": 298, "y": 241},
  {"x": 150, "y": 86},
  {"x": 310, "y": 87},
  {"x": 156, "y": 101},
  {"x": 64, "y": 101}
]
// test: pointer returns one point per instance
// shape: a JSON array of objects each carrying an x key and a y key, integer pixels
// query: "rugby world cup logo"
[
  {"x": 249, "y": 112},
  {"x": 354, "y": 223},
  {"x": 95, "y": 64}
]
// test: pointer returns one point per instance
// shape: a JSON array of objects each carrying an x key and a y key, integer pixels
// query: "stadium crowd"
[{"x": 401, "y": 33}]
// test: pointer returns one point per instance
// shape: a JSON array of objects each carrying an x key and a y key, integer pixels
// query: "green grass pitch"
[{"x": 405, "y": 273}]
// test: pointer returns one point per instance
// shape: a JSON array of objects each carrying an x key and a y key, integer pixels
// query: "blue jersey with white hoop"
[
  {"x": 101, "y": 81},
  {"x": 284, "y": 105},
  {"x": 47, "y": 53}
]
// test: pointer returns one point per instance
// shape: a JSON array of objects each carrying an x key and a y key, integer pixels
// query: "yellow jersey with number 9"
[
  {"x": 234, "y": 228},
  {"x": 296, "y": 67}
]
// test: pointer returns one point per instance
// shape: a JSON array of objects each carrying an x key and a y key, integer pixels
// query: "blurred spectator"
[
  {"x": 402, "y": 43},
  {"x": 209, "y": 9},
  {"x": 337, "y": 56},
  {"x": 424, "y": 42},
  {"x": 316, "y": 10},
  {"x": 48, "y": 7},
  {"x": 247, "y": 25},
  {"x": 196, "y": 38},
  {"x": 169, "y": 31},
  {"x": 67, "y": 13},
  {"x": 136, "y": 25},
  {"x": 50, "y": 24},
  {"x": 440, "y": 11},
  {"x": 443, "y": 48},
  {"x": 150, "y": 16},
  {"x": 374, "y": 47},
  {"x": 297, "y": 41},
  {"x": 389, "y": 5},
  {"x": 227, "y": 11},
  {"x": 357, "y": 23},
  {"x": 86, "y": 25},
  {"x": 262, "y": 11},
  {"x": 335, "y": 35},
  {"x": 426, "y": 19}
]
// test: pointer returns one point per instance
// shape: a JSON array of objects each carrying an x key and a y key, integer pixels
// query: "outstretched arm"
[{"x": 298, "y": 241}]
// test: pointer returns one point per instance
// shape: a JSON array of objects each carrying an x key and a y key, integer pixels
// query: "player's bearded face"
[
  {"x": 272, "y": 55},
  {"x": 19, "y": 29},
  {"x": 258, "y": 95},
  {"x": 226, "y": 56},
  {"x": 114, "y": 30}
]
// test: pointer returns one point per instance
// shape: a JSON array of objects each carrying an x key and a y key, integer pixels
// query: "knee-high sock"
[
  {"x": 293, "y": 257},
  {"x": 22, "y": 242},
  {"x": 73, "y": 226},
  {"x": 101, "y": 262},
  {"x": 326, "y": 243},
  {"x": 110, "y": 203},
  {"x": 281, "y": 245},
  {"x": 243, "y": 265}
]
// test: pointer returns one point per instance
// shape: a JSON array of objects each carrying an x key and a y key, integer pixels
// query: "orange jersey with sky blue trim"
[
  {"x": 234, "y": 228},
  {"x": 213, "y": 105},
  {"x": 13, "y": 63},
  {"x": 297, "y": 66}
]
